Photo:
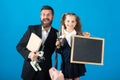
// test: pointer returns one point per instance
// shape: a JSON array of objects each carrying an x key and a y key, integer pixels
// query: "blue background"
[{"x": 99, "y": 17}]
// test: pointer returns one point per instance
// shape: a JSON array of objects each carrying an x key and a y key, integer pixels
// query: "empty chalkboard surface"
[{"x": 87, "y": 50}]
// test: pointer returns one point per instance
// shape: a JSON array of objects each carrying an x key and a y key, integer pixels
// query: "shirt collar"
[
  {"x": 45, "y": 30},
  {"x": 71, "y": 33}
]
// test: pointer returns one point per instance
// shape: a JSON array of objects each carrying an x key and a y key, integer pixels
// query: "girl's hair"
[{"x": 78, "y": 26}]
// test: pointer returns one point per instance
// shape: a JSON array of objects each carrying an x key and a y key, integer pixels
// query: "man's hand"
[{"x": 33, "y": 56}]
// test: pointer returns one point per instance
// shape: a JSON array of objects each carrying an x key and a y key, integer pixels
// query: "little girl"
[{"x": 71, "y": 25}]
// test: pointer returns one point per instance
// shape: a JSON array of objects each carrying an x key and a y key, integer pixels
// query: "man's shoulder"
[
  {"x": 34, "y": 26},
  {"x": 54, "y": 29}
]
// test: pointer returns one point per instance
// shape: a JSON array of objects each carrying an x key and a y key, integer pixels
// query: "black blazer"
[{"x": 28, "y": 72}]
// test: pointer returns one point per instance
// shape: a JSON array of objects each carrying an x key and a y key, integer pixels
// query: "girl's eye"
[
  {"x": 73, "y": 21},
  {"x": 68, "y": 21}
]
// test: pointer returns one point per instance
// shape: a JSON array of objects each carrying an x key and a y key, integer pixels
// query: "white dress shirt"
[{"x": 45, "y": 34}]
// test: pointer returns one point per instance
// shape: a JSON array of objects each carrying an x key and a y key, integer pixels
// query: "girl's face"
[{"x": 70, "y": 22}]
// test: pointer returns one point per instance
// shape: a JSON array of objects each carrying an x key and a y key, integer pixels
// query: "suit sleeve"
[{"x": 21, "y": 46}]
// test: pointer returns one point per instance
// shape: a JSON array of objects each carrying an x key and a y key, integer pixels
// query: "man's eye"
[{"x": 43, "y": 14}]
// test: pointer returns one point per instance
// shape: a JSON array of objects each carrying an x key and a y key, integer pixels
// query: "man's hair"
[{"x": 46, "y": 7}]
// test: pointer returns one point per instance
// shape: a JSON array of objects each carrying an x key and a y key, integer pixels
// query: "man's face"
[{"x": 46, "y": 18}]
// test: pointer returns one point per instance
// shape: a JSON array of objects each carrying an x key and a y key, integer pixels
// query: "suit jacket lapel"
[{"x": 39, "y": 31}]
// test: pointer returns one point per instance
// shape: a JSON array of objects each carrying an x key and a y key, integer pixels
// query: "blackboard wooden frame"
[{"x": 86, "y": 50}]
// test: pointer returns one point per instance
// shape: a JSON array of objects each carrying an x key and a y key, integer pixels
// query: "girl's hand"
[
  {"x": 86, "y": 34},
  {"x": 57, "y": 43}
]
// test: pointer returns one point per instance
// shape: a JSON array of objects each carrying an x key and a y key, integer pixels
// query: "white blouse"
[{"x": 69, "y": 36}]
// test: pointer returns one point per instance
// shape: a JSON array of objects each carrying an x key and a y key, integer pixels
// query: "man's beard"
[{"x": 45, "y": 25}]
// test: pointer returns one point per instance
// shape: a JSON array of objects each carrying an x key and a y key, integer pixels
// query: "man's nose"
[{"x": 46, "y": 16}]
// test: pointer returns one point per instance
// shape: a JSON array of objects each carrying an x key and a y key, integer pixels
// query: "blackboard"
[{"x": 86, "y": 50}]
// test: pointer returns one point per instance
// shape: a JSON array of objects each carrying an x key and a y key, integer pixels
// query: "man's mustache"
[{"x": 46, "y": 19}]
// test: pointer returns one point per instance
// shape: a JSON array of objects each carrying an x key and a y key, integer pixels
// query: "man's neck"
[{"x": 46, "y": 28}]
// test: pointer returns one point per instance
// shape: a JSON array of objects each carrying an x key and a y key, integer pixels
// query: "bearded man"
[{"x": 48, "y": 34}]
